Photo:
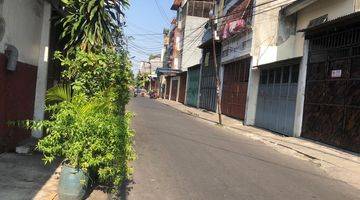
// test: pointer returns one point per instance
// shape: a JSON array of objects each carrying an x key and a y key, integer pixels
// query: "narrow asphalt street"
[{"x": 183, "y": 158}]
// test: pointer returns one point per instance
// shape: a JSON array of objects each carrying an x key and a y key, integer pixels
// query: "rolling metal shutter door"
[
  {"x": 236, "y": 76},
  {"x": 277, "y": 99},
  {"x": 174, "y": 88},
  {"x": 167, "y": 92},
  {"x": 208, "y": 89},
  {"x": 182, "y": 87},
  {"x": 193, "y": 87}
]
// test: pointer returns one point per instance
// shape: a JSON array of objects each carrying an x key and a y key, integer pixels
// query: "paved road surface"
[{"x": 182, "y": 158}]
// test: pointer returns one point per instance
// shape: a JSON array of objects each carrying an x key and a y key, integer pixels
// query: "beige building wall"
[
  {"x": 334, "y": 9},
  {"x": 23, "y": 23},
  {"x": 265, "y": 31},
  {"x": 193, "y": 33}
]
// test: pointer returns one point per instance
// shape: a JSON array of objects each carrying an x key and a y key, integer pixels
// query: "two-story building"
[
  {"x": 192, "y": 16},
  {"x": 303, "y": 80}
]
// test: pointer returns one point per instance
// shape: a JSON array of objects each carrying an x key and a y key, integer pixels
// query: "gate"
[
  {"x": 167, "y": 92},
  {"x": 236, "y": 76},
  {"x": 332, "y": 96},
  {"x": 276, "y": 102},
  {"x": 174, "y": 89},
  {"x": 193, "y": 86},
  {"x": 208, "y": 84},
  {"x": 182, "y": 87}
]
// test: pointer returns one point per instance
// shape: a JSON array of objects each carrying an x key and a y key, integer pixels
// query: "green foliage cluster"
[
  {"x": 91, "y": 73},
  {"x": 141, "y": 79},
  {"x": 88, "y": 124},
  {"x": 91, "y": 135},
  {"x": 91, "y": 24}
]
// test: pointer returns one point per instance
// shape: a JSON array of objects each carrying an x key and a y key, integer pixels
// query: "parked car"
[{"x": 139, "y": 92}]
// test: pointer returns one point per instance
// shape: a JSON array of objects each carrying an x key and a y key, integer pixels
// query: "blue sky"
[{"x": 145, "y": 23}]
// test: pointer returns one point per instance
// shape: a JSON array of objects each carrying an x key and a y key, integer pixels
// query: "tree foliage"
[
  {"x": 141, "y": 79},
  {"x": 92, "y": 24},
  {"x": 88, "y": 124}
]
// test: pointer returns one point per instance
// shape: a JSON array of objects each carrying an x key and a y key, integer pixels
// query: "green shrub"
[
  {"x": 91, "y": 135},
  {"x": 95, "y": 72}
]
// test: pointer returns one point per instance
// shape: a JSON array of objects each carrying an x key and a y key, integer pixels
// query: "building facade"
[
  {"x": 186, "y": 33},
  {"x": 236, "y": 34},
  {"x": 24, "y": 54},
  {"x": 296, "y": 85},
  {"x": 289, "y": 66}
]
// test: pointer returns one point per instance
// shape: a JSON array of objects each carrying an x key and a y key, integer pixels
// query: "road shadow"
[{"x": 25, "y": 176}]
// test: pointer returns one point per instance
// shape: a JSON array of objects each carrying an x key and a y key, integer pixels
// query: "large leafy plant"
[
  {"x": 90, "y": 24},
  {"x": 91, "y": 135},
  {"x": 91, "y": 73},
  {"x": 88, "y": 125}
]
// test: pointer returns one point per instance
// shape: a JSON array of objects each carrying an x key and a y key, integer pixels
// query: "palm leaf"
[{"x": 59, "y": 93}]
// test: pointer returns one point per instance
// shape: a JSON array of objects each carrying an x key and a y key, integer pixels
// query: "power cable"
[{"x": 162, "y": 12}]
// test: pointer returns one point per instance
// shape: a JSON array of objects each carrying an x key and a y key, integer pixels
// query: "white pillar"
[
  {"x": 42, "y": 72},
  {"x": 171, "y": 78},
  {"x": 356, "y": 5},
  {"x": 300, "y": 98},
  {"x": 252, "y": 94},
  {"x": 178, "y": 88}
]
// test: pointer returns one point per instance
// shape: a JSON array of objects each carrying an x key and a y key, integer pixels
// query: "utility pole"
[{"x": 218, "y": 84}]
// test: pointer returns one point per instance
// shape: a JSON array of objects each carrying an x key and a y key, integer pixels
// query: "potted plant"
[{"x": 92, "y": 137}]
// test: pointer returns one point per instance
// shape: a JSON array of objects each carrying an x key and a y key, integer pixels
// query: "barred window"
[{"x": 199, "y": 8}]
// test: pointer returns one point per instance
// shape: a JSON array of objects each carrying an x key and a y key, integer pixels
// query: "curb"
[{"x": 278, "y": 145}]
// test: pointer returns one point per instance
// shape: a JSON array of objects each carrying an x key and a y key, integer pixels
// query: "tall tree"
[{"x": 92, "y": 24}]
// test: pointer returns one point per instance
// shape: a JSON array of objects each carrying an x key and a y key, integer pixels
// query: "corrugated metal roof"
[{"x": 343, "y": 21}]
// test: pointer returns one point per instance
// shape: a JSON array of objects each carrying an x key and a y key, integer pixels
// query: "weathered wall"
[
  {"x": 27, "y": 24},
  {"x": 17, "y": 97},
  {"x": 191, "y": 54},
  {"x": 265, "y": 31},
  {"x": 23, "y": 21},
  {"x": 334, "y": 9}
]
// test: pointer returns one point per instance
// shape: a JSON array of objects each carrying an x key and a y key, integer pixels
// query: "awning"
[
  {"x": 281, "y": 63},
  {"x": 338, "y": 22},
  {"x": 167, "y": 71}
]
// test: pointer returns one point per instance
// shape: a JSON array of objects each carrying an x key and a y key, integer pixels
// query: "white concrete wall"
[
  {"x": 265, "y": 31},
  {"x": 23, "y": 21},
  {"x": 27, "y": 27},
  {"x": 252, "y": 94},
  {"x": 42, "y": 73},
  {"x": 357, "y": 5},
  {"x": 192, "y": 39}
]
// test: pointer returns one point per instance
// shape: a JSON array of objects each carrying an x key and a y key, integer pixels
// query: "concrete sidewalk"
[
  {"x": 339, "y": 164},
  {"x": 24, "y": 176}
]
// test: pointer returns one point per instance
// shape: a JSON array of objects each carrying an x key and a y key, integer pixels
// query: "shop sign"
[{"x": 336, "y": 73}]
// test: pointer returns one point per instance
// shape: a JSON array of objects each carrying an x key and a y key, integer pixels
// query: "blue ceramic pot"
[{"x": 73, "y": 183}]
